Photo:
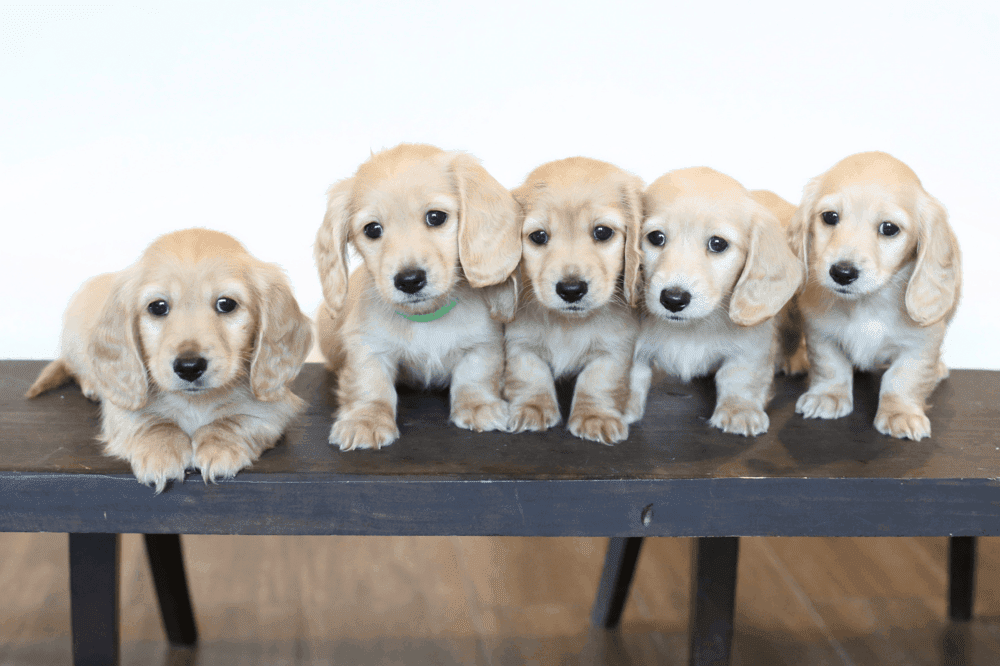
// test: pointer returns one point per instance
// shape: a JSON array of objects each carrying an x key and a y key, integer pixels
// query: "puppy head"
[
  {"x": 580, "y": 233},
  {"x": 198, "y": 313},
  {"x": 708, "y": 245},
  {"x": 418, "y": 216},
  {"x": 867, "y": 218}
]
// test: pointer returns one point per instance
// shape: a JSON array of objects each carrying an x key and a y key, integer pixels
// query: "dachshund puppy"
[
  {"x": 883, "y": 280},
  {"x": 580, "y": 270},
  {"x": 190, "y": 351},
  {"x": 717, "y": 270},
  {"x": 792, "y": 356},
  {"x": 438, "y": 242}
]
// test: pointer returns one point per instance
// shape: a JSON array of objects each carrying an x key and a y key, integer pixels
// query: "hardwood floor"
[{"x": 461, "y": 600}]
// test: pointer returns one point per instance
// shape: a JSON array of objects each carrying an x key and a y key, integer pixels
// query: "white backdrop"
[{"x": 119, "y": 123}]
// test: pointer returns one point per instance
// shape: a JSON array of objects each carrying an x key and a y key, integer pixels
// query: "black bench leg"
[
  {"x": 167, "y": 563},
  {"x": 961, "y": 577},
  {"x": 93, "y": 590},
  {"x": 713, "y": 599},
  {"x": 612, "y": 593}
]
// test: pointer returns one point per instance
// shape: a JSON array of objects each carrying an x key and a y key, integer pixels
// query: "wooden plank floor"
[{"x": 455, "y": 600}]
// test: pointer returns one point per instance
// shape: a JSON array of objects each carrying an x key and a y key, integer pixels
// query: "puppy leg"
[
  {"x": 743, "y": 387},
  {"x": 366, "y": 393},
  {"x": 475, "y": 390},
  {"x": 531, "y": 390},
  {"x": 905, "y": 387},
  {"x": 640, "y": 378},
  {"x": 226, "y": 446},
  {"x": 158, "y": 451},
  {"x": 831, "y": 382},
  {"x": 601, "y": 391}
]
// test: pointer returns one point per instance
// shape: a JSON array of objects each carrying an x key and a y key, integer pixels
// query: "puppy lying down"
[
  {"x": 190, "y": 351},
  {"x": 717, "y": 270}
]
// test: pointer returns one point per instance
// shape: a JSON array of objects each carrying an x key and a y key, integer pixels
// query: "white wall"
[{"x": 120, "y": 123}]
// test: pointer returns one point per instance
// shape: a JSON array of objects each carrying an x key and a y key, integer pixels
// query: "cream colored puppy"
[
  {"x": 883, "y": 280},
  {"x": 580, "y": 268},
  {"x": 190, "y": 351},
  {"x": 717, "y": 271},
  {"x": 438, "y": 242}
]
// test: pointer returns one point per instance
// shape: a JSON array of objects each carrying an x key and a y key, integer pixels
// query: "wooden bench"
[{"x": 674, "y": 476}]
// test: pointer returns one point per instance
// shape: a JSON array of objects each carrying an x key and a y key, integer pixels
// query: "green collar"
[{"x": 430, "y": 317}]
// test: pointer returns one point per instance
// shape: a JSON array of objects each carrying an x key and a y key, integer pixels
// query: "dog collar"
[{"x": 430, "y": 317}]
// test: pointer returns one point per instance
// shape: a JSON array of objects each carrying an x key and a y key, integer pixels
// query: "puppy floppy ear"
[
  {"x": 113, "y": 348},
  {"x": 284, "y": 335},
  {"x": 631, "y": 199},
  {"x": 936, "y": 280},
  {"x": 502, "y": 299},
  {"x": 330, "y": 250},
  {"x": 489, "y": 235},
  {"x": 798, "y": 226},
  {"x": 771, "y": 275}
]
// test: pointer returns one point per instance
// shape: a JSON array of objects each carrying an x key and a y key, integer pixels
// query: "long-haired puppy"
[
  {"x": 579, "y": 269},
  {"x": 883, "y": 280},
  {"x": 717, "y": 270},
  {"x": 190, "y": 351},
  {"x": 438, "y": 242}
]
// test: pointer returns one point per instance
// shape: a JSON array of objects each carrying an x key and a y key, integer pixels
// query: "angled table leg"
[
  {"x": 961, "y": 577},
  {"x": 612, "y": 593},
  {"x": 166, "y": 560},
  {"x": 93, "y": 585},
  {"x": 713, "y": 599}
]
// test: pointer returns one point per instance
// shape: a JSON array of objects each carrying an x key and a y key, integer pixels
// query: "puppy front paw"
[
  {"x": 219, "y": 456},
  {"x": 903, "y": 423},
  {"x": 607, "y": 428},
  {"x": 831, "y": 405},
  {"x": 372, "y": 431},
  {"x": 481, "y": 415},
  {"x": 160, "y": 456},
  {"x": 536, "y": 414},
  {"x": 740, "y": 419}
]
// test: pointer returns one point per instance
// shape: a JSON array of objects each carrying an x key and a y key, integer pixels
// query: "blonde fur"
[
  {"x": 727, "y": 325},
  {"x": 125, "y": 356},
  {"x": 593, "y": 335},
  {"x": 468, "y": 258},
  {"x": 897, "y": 308}
]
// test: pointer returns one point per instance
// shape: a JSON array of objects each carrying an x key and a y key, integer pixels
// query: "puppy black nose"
[
  {"x": 674, "y": 299},
  {"x": 190, "y": 368},
  {"x": 411, "y": 281},
  {"x": 571, "y": 291},
  {"x": 844, "y": 273}
]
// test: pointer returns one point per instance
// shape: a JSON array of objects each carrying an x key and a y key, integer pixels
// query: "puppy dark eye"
[
  {"x": 602, "y": 233},
  {"x": 435, "y": 218},
  {"x": 373, "y": 230},
  {"x": 225, "y": 305},
  {"x": 539, "y": 237},
  {"x": 717, "y": 244},
  {"x": 831, "y": 217},
  {"x": 888, "y": 229},
  {"x": 657, "y": 238},
  {"x": 158, "y": 308}
]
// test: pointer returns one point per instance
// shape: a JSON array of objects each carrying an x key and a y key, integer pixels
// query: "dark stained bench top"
[{"x": 674, "y": 475}]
